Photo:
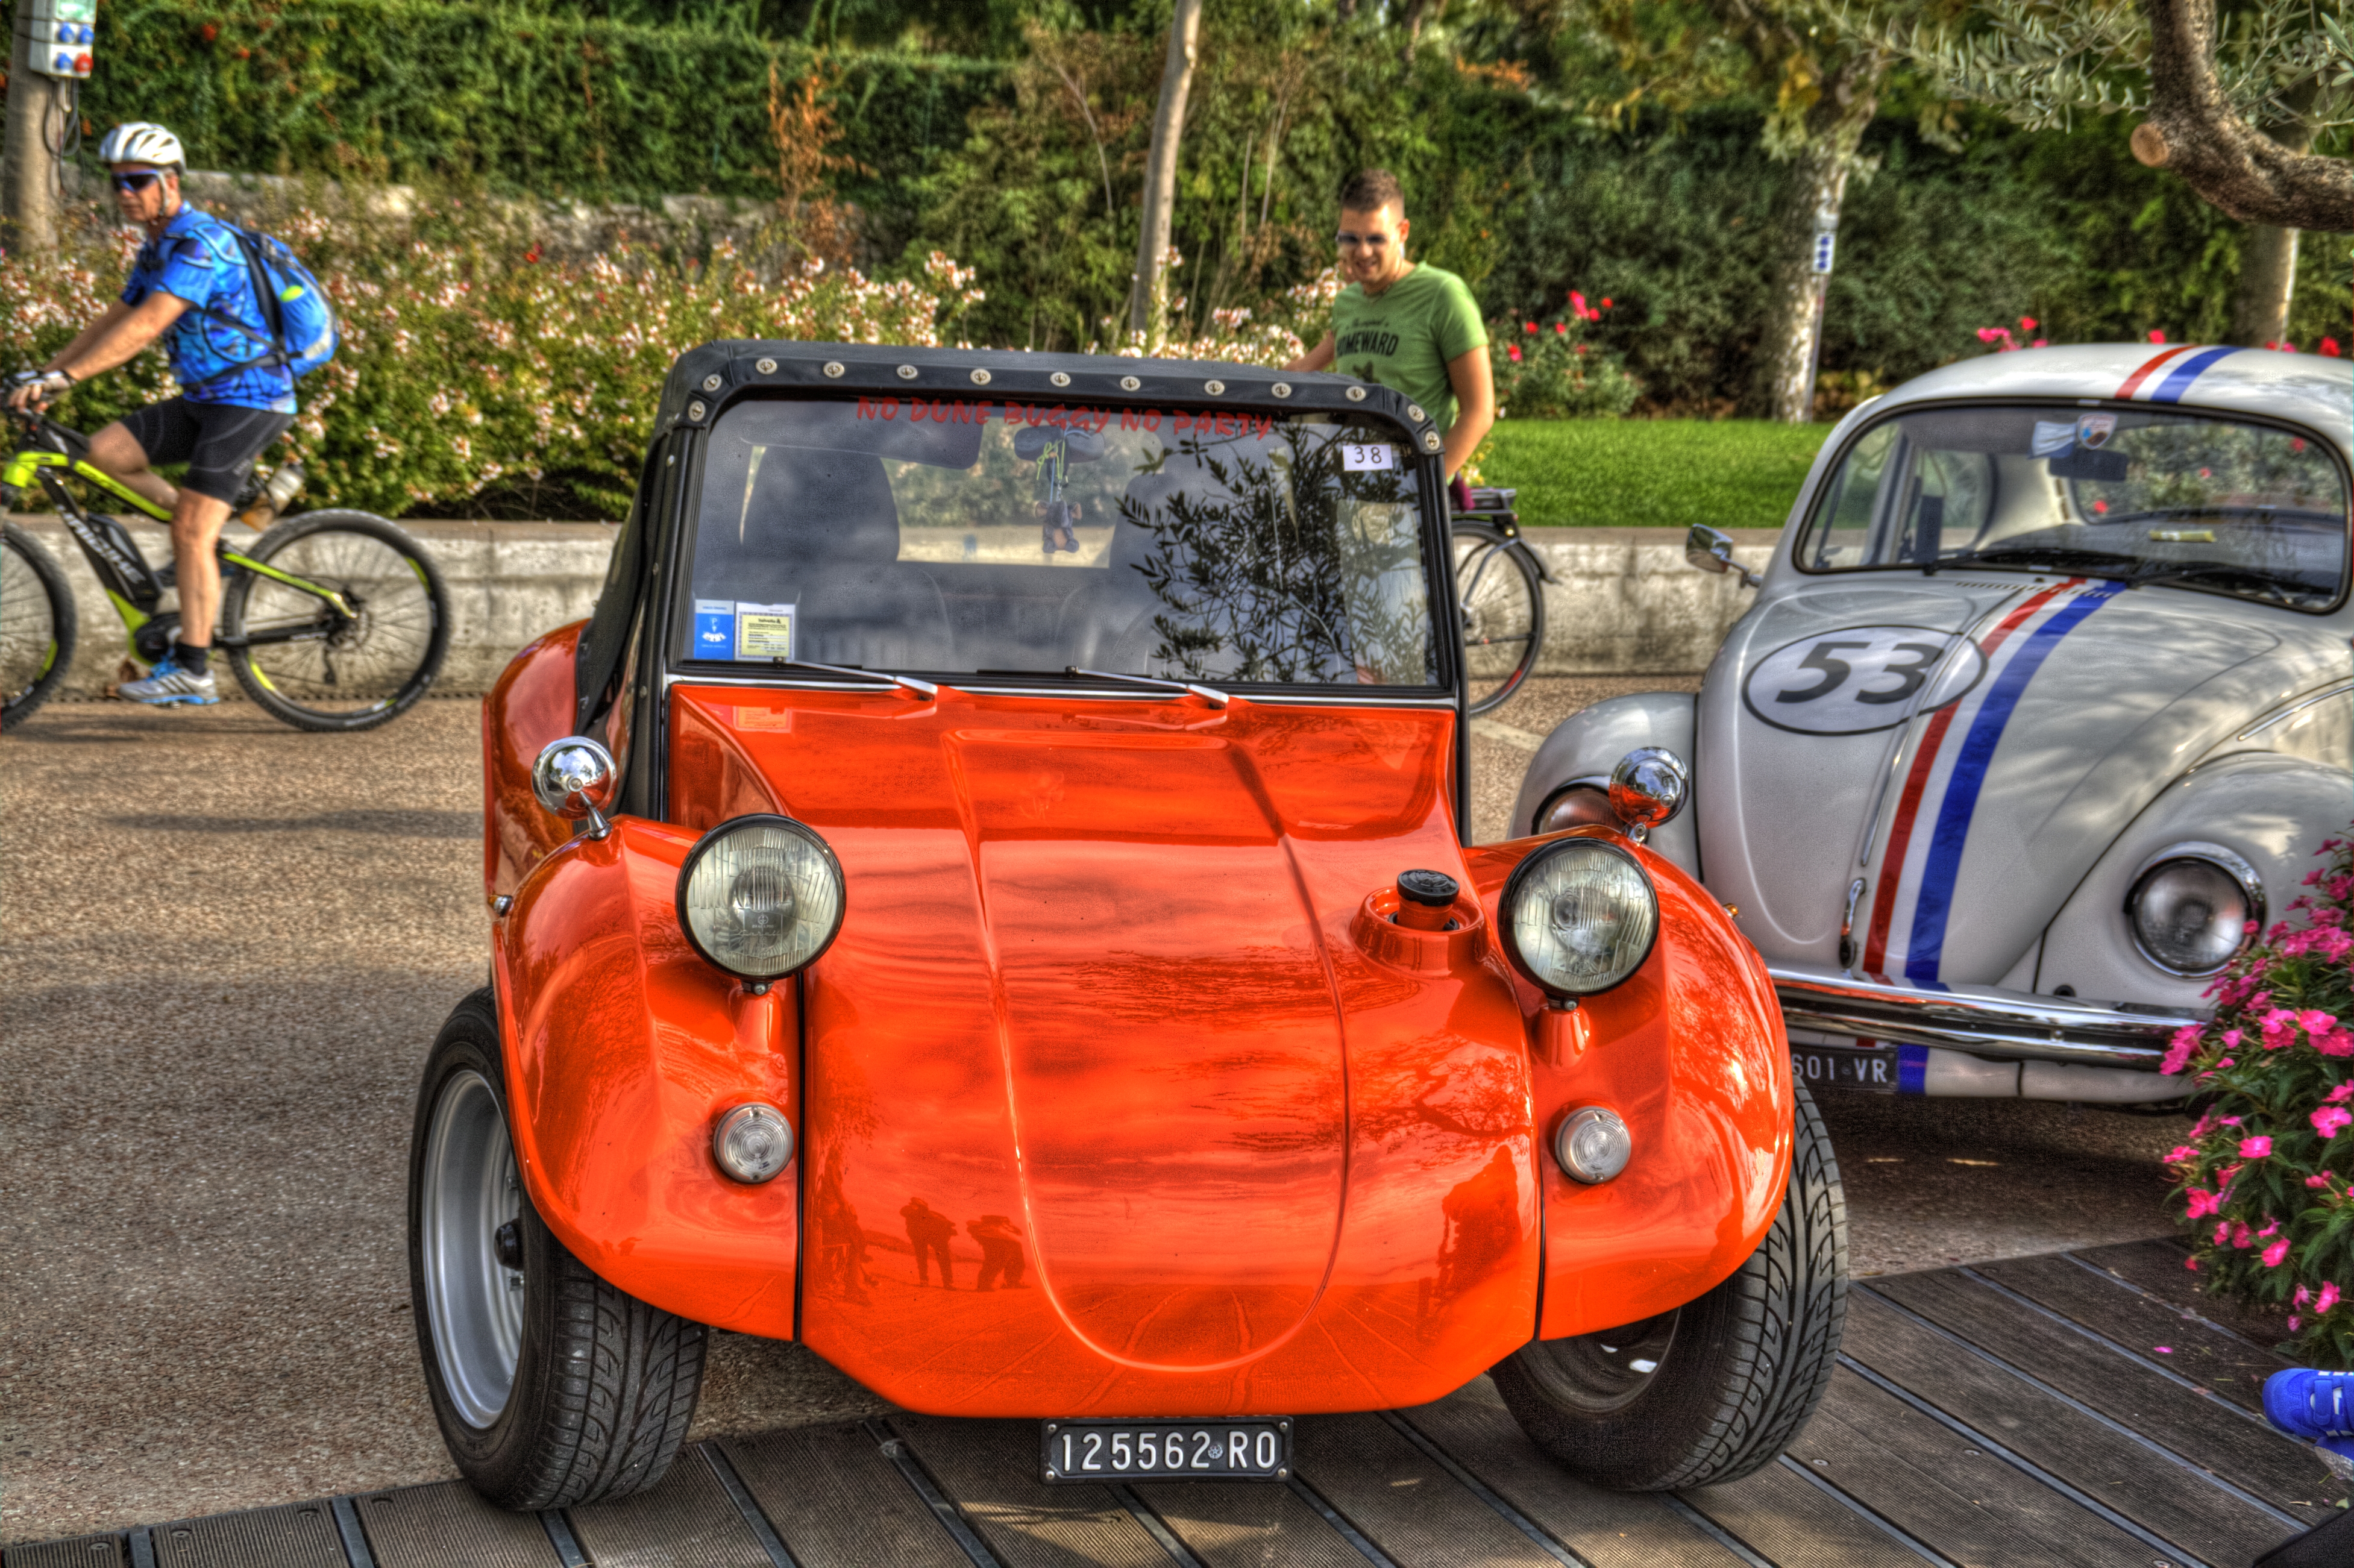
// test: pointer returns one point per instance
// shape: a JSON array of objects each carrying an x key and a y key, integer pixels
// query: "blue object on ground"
[{"x": 2316, "y": 1405}]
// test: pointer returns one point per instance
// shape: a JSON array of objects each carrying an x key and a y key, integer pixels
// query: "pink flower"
[
  {"x": 2255, "y": 1148},
  {"x": 1577, "y": 302},
  {"x": 2339, "y": 1095},
  {"x": 2301, "y": 1297},
  {"x": 2177, "y": 1054},
  {"x": 2330, "y": 1120},
  {"x": 2278, "y": 1025},
  {"x": 1606, "y": 305},
  {"x": 2330, "y": 348},
  {"x": 2321, "y": 1181},
  {"x": 2156, "y": 335},
  {"x": 1514, "y": 350},
  {"x": 2183, "y": 1154},
  {"x": 1581, "y": 348},
  {"x": 1528, "y": 326},
  {"x": 2231, "y": 1038},
  {"x": 2027, "y": 324},
  {"x": 2223, "y": 1233},
  {"x": 2328, "y": 1298},
  {"x": 2276, "y": 1254},
  {"x": 2242, "y": 1236},
  {"x": 2337, "y": 1043},
  {"x": 2295, "y": 1323},
  {"x": 1561, "y": 329},
  {"x": 2191, "y": 1264},
  {"x": 2202, "y": 1204}
]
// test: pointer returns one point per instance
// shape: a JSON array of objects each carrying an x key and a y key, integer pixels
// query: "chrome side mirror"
[
  {"x": 1710, "y": 550},
  {"x": 1648, "y": 787},
  {"x": 574, "y": 779}
]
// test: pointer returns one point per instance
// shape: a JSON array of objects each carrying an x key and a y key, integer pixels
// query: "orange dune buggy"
[{"x": 985, "y": 897}]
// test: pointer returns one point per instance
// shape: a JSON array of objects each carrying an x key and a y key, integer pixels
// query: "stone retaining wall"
[{"x": 1624, "y": 601}]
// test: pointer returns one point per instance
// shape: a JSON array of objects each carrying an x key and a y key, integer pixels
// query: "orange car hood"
[{"x": 1095, "y": 978}]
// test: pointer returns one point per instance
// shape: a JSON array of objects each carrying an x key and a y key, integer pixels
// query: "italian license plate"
[
  {"x": 1836, "y": 1067},
  {"x": 1250, "y": 1449}
]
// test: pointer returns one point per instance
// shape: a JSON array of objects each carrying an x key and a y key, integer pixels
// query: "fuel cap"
[{"x": 1434, "y": 888}]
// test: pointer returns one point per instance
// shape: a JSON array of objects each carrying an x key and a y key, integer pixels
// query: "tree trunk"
[
  {"x": 36, "y": 107},
  {"x": 1782, "y": 371},
  {"x": 1147, "y": 300},
  {"x": 2267, "y": 285},
  {"x": 2193, "y": 131}
]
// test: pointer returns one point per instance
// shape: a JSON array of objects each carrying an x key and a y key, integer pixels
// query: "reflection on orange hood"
[{"x": 1095, "y": 1003}]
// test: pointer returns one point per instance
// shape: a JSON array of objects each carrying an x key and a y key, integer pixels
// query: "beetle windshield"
[
  {"x": 992, "y": 538},
  {"x": 2189, "y": 500}
]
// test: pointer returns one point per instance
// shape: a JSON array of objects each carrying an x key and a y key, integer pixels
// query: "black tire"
[
  {"x": 1738, "y": 1372},
  {"x": 1500, "y": 601},
  {"x": 347, "y": 672},
  {"x": 603, "y": 1385},
  {"x": 38, "y": 626}
]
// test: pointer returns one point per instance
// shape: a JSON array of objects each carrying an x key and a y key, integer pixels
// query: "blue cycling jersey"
[{"x": 197, "y": 259}]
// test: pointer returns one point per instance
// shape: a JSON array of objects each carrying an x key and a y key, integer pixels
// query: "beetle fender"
[
  {"x": 623, "y": 1049},
  {"x": 2270, "y": 809},
  {"x": 1689, "y": 1051},
  {"x": 1588, "y": 745}
]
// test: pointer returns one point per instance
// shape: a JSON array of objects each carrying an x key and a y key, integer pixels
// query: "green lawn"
[{"x": 1653, "y": 473}]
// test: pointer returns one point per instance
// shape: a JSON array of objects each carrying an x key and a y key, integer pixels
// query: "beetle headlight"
[
  {"x": 760, "y": 896},
  {"x": 1579, "y": 917},
  {"x": 2190, "y": 906}
]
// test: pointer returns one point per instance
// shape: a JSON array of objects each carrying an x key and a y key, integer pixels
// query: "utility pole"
[{"x": 48, "y": 51}]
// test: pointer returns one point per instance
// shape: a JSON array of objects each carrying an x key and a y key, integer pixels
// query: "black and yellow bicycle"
[{"x": 330, "y": 620}]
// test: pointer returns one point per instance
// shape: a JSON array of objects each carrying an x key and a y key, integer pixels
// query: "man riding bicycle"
[{"x": 191, "y": 286}]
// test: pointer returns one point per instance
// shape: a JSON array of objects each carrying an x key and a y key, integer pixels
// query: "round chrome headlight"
[
  {"x": 2189, "y": 909},
  {"x": 1579, "y": 917},
  {"x": 760, "y": 896}
]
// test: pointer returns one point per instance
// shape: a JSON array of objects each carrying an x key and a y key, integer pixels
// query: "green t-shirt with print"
[{"x": 1403, "y": 336}]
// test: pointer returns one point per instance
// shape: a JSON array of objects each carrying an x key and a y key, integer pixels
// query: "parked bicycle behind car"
[{"x": 241, "y": 319}]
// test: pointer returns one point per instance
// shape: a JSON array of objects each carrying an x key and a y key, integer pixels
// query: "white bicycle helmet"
[{"x": 142, "y": 143}]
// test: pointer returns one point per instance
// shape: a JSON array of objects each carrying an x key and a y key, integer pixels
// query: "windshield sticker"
[
  {"x": 1367, "y": 457},
  {"x": 2094, "y": 430},
  {"x": 714, "y": 629},
  {"x": 764, "y": 630},
  {"x": 2054, "y": 436},
  {"x": 1179, "y": 421},
  {"x": 1860, "y": 679}
]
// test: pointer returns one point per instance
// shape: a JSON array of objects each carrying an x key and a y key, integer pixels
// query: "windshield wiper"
[
  {"x": 2073, "y": 557},
  {"x": 1209, "y": 695},
  {"x": 921, "y": 688}
]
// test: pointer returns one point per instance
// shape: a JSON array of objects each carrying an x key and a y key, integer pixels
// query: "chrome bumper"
[{"x": 1979, "y": 1018}]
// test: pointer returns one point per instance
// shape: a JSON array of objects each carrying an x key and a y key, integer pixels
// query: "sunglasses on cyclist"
[
  {"x": 1370, "y": 241},
  {"x": 132, "y": 185}
]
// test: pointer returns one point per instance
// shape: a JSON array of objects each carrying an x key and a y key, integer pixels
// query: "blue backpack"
[{"x": 302, "y": 333}]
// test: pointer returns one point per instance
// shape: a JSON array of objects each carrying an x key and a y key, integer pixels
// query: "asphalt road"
[{"x": 224, "y": 948}]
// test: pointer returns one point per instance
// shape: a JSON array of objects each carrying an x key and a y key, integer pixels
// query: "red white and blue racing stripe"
[
  {"x": 2168, "y": 373},
  {"x": 1931, "y": 825}
]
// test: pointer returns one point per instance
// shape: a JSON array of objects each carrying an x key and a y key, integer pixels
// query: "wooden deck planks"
[
  {"x": 2213, "y": 1357},
  {"x": 1941, "y": 1488},
  {"x": 1609, "y": 1530},
  {"x": 2180, "y": 1505},
  {"x": 2069, "y": 1359}
]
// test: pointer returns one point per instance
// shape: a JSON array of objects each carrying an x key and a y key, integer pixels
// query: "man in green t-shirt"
[{"x": 1407, "y": 325}]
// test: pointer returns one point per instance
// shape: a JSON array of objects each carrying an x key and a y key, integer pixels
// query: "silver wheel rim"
[
  {"x": 474, "y": 1304},
  {"x": 1599, "y": 1374}
]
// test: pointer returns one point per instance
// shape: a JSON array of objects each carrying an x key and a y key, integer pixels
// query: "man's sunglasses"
[
  {"x": 1370, "y": 241},
  {"x": 132, "y": 185}
]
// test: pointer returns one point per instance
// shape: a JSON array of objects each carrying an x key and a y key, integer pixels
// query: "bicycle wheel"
[
  {"x": 320, "y": 667},
  {"x": 36, "y": 626},
  {"x": 1501, "y": 602}
]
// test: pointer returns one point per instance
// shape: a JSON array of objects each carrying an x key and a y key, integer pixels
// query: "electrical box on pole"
[{"x": 62, "y": 34}]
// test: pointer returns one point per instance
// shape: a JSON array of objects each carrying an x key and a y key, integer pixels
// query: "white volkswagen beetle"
[{"x": 2044, "y": 704}]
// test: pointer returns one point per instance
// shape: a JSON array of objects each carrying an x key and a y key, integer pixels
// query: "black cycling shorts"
[{"x": 218, "y": 441}]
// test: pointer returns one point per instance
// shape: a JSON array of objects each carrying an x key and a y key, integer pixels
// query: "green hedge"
[{"x": 548, "y": 102}]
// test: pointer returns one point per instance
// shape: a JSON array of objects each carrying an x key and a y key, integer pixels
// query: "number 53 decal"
[{"x": 1859, "y": 679}]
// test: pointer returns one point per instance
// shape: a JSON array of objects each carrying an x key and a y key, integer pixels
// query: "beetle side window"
[
  {"x": 2189, "y": 499},
  {"x": 964, "y": 536}
]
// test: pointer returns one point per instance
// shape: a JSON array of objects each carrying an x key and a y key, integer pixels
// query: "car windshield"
[
  {"x": 980, "y": 537},
  {"x": 2193, "y": 500}
]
